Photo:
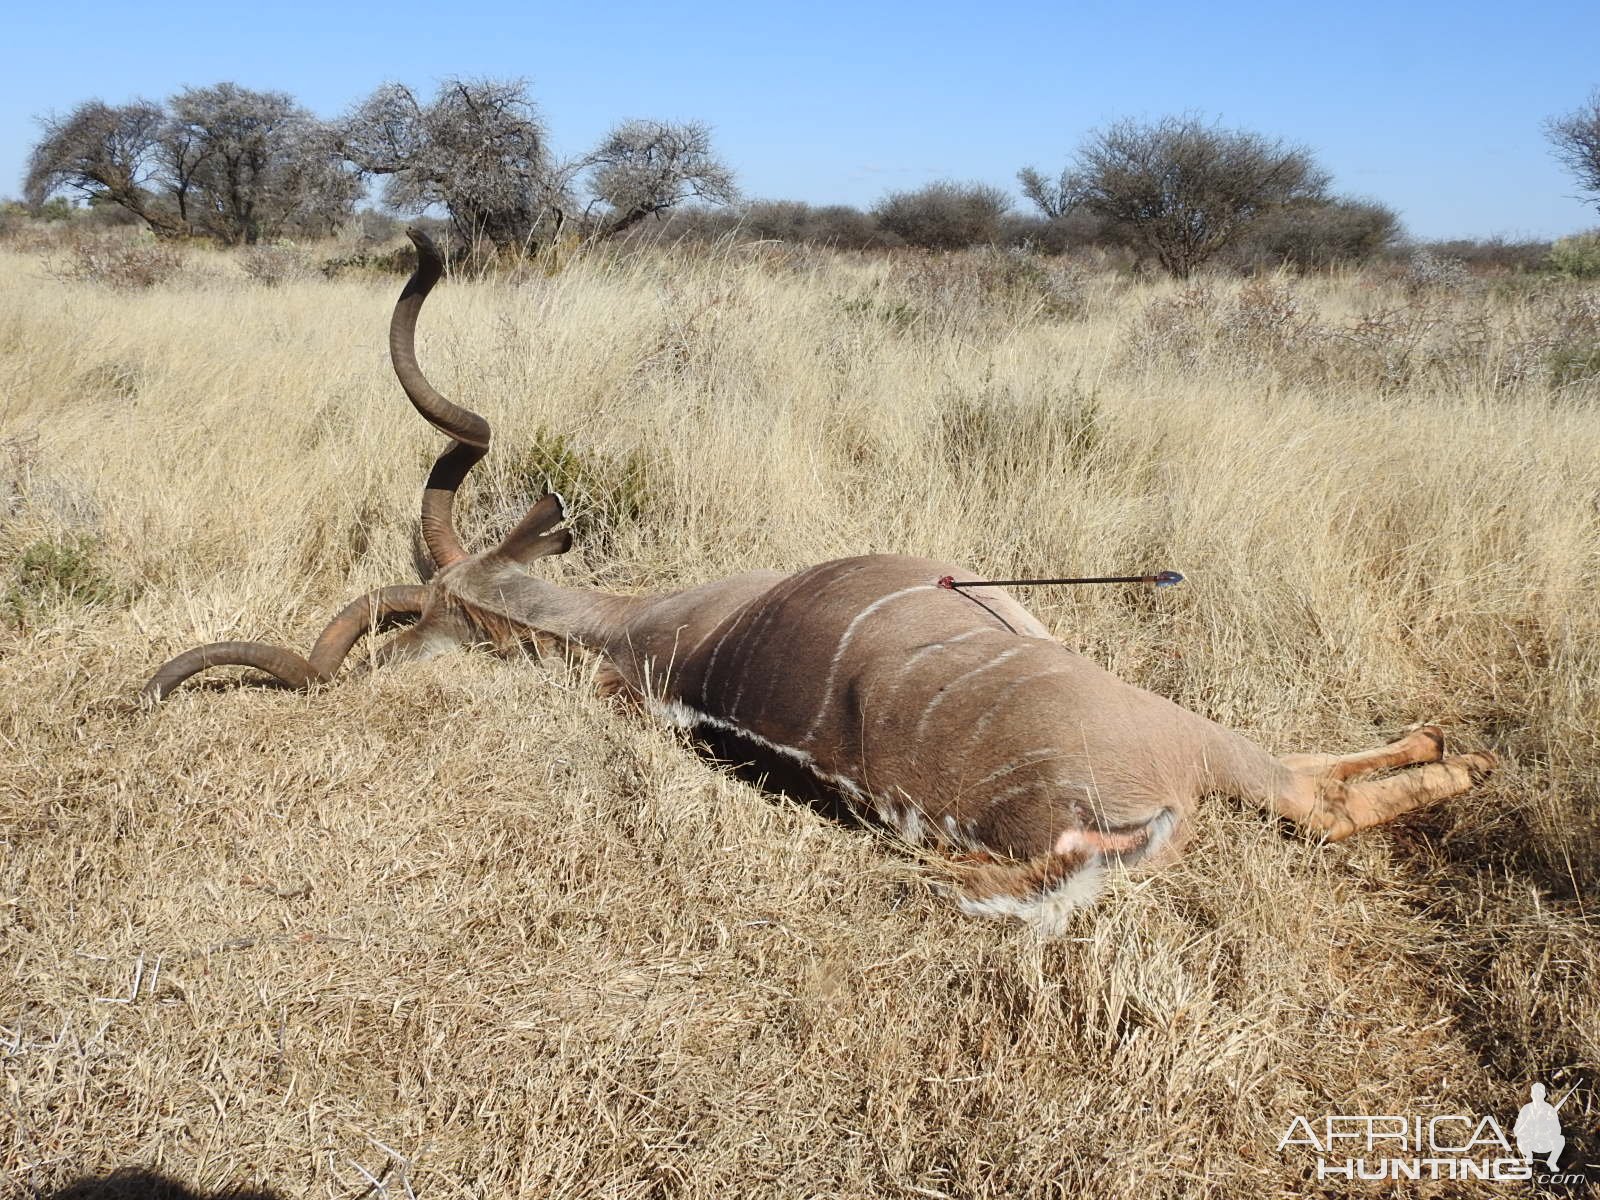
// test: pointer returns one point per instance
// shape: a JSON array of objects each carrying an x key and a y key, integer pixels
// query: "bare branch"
[{"x": 1575, "y": 139}]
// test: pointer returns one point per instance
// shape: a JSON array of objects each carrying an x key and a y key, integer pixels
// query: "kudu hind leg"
[
  {"x": 1327, "y": 804},
  {"x": 1424, "y": 745}
]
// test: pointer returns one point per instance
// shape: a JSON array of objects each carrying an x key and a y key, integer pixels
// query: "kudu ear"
[{"x": 532, "y": 539}]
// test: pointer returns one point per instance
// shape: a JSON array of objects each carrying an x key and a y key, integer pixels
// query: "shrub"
[
  {"x": 604, "y": 491},
  {"x": 369, "y": 226},
  {"x": 1180, "y": 189},
  {"x": 1577, "y": 256},
  {"x": 13, "y": 217},
  {"x": 941, "y": 291},
  {"x": 110, "y": 260},
  {"x": 1267, "y": 318},
  {"x": 1179, "y": 328},
  {"x": 837, "y": 225},
  {"x": 1314, "y": 236},
  {"x": 1266, "y": 329},
  {"x": 1076, "y": 230},
  {"x": 944, "y": 215},
  {"x": 57, "y": 208},
  {"x": 1027, "y": 280},
  {"x": 52, "y": 572},
  {"x": 1493, "y": 254},
  {"x": 398, "y": 261},
  {"x": 1573, "y": 328},
  {"x": 272, "y": 265}
]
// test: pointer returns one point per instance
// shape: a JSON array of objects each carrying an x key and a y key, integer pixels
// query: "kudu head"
[{"x": 468, "y": 601}]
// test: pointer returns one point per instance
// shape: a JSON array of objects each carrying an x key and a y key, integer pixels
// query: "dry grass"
[{"x": 464, "y": 927}]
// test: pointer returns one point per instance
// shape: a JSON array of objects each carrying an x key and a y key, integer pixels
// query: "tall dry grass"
[{"x": 464, "y": 928}]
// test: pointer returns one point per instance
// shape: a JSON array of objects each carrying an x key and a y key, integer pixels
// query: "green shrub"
[
  {"x": 1577, "y": 256},
  {"x": 398, "y": 261},
  {"x": 604, "y": 491},
  {"x": 56, "y": 571}
]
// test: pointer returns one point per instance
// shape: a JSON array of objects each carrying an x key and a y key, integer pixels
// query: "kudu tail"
[{"x": 1044, "y": 892}]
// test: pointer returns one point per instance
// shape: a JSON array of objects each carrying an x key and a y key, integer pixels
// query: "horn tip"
[{"x": 427, "y": 251}]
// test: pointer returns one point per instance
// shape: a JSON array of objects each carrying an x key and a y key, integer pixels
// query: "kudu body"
[{"x": 950, "y": 716}]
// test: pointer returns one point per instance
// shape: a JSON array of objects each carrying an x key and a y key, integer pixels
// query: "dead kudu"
[{"x": 949, "y": 715}]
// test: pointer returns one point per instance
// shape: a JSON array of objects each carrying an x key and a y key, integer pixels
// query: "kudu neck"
[{"x": 592, "y": 618}]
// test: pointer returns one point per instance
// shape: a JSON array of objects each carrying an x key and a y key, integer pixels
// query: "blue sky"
[{"x": 1434, "y": 108}]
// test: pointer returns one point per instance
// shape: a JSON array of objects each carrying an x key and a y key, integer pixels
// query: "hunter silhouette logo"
[
  {"x": 1538, "y": 1129},
  {"x": 1454, "y": 1146}
]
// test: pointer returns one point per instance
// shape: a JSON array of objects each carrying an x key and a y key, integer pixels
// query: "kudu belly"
[{"x": 950, "y": 715}]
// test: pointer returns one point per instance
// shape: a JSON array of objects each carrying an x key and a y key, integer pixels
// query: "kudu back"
[{"x": 950, "y": 716}]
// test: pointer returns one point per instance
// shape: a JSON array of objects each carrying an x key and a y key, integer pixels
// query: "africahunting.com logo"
[{"x": 1452, "y": 1146}]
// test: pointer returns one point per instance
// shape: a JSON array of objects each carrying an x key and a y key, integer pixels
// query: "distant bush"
[
  {"x": 1577, "y": 256},
  {"x": 1178, "y": 189},
  {"x": 369, "y": 226},
  {"x": 691, "y": 223},
  {"x": 13, "y": 217},
  {"x": 941, "y": 217},
  {"x": 944, "y": 215},
  {"x": 397, "y": 261},
  {"x": 836, "y": 225},
  {"x": 1315, "y": 235},
  {"x": 1494, "y": 254},
  {"x": 272, "y": 265},
  {"x": 56, "y": 221},
  {"x": 57, "y": 208},
  {"x": 117, "y": 261},
  {"x": 102, "y": 215},
  {"x": 1074, "y": 231}
]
